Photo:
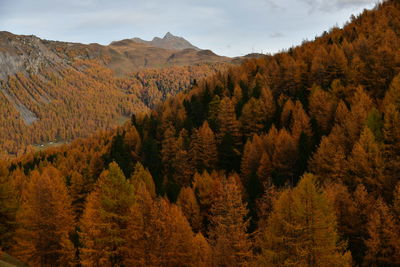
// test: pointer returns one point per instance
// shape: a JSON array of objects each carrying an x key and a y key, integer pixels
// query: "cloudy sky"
[{"x": 228, "y": 27}]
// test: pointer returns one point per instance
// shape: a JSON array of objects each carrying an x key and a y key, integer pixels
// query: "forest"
[
  {"x": 58, "y": 97},
  {"x": 290, "y": 159}
]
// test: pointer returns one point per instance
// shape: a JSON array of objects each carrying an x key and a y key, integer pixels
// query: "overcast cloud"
[{"x": 228, "y": 27}]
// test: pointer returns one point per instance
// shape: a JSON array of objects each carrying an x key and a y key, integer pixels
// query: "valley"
[
  {"x": 157, "y": 153},
  {"x": 46, "y": 85}
]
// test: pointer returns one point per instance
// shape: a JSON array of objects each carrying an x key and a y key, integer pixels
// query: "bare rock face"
[
  {"x": 24, "y": 54},
  {"x": 169, "y": 41}
]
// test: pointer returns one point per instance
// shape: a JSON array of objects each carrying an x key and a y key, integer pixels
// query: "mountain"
[
  {"x": 53, "y": 92},
  {"x": 169, "y": 41},
  {"x": 132, "y": 55},
  {"x": 290, "y": 158}
]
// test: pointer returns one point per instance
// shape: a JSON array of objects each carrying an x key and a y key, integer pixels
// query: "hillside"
[
  {"x": 132, "y": 55},
  {"x": 55, "y": 92},
  {"x": 290, "y": 159}
]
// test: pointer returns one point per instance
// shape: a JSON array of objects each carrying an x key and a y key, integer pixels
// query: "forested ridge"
[
  {"x": 290, "y": 159},
  {"x": 64, "y": 103}
]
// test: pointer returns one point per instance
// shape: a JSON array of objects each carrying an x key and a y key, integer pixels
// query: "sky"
[{"x": 228, "y": 27}]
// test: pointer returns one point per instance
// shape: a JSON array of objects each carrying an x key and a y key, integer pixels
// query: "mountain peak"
[
  {"x": 169, "y": 41},
  {"x": 168, "y": 35}
]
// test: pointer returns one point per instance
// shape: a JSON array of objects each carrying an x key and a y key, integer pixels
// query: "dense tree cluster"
[
  {"x": 73, "y": 102},
  {"x": 287, "y": 160}
]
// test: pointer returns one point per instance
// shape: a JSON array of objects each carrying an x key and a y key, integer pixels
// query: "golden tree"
[
  {"x": 158, "y": 234},
  {"x": 302, "y": 230},
  {"x": 8, "y": 207},
  {"x": 383, "y": 246},
  {"x": 365, "y": 164},
  {"x": 105, "y": 218},
  {"x": 141, "y": 174},
  {"x": 228, "y": 230},
  {"x": 188, "y": 203},
  {"x": 328, "y": 162},
  {"x": 45, "y": 221},
  {"x": 204, "y": 148}
]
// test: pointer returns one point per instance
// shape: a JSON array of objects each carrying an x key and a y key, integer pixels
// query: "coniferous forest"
[{"x": 291, "y": 159}]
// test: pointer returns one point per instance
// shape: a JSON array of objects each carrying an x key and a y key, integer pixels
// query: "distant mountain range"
[
  {"x": 52, "y": 90},
  {"x": 169, "y": 41},
  {"x": 28, "y": 53}
]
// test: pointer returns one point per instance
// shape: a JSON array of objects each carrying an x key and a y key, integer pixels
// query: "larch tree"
[
  {"x": 228, "y": 230},
  {"x": 319, "y": 67},
  {"x": 300, "y": 122},
  {"x": 253, "y": 150},
  {"x": 337, "y": 64},
  {"x": 264, "y": 170},
  {"x": 396, "y": 203},
  {"x": 78, "y": 189},
  {"x": 158, "y": 234},
  {"x": 205, "y": 187},
  {"x": 188, "y": 203},
  {"x": 204, "y": 148},
  {"x": 172, "y": 230},
  {"x": 105, "y": 218},
  {"x": 45, "y": 221},
  {"x": 365, "y": 164},
  {"x": 132, "y": 139},
  {"x": 364, "y": 204},
  {"x": 328, "y": 161},
  {"x": 286, "y": 119},
  {"x": 213, "y": 108},
  {"x": 253, "y": 118},
  {"x": 202, "y": 252},
  {"x": 168, "y": 150},
  {"x": 184, "y": 169},
  {"x": 138, "y": 242},
  {"x": 284, "y": 157},
  {"x": 302, "y": 230},
  {"x": 227, "y": 122},
  {"x": 322, "y": 109},
  {"x": 268, "y": 102},
  {"x": 142, "y": 174},
  {"x": 361, "y": 105},
  {"x": 383, "y": 246},
  {"x": 228, "y": 136},
  {"x": 391, "y": 134},
  {"x": 8, "y": 207}
]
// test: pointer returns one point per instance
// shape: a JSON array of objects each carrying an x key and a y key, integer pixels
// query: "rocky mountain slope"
[
  {"x": 52, "y": 91},
  {"x": 169, "y": 41}
]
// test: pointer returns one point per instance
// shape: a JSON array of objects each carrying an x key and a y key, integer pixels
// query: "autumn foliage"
[{"x": 287, "y": 160}]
